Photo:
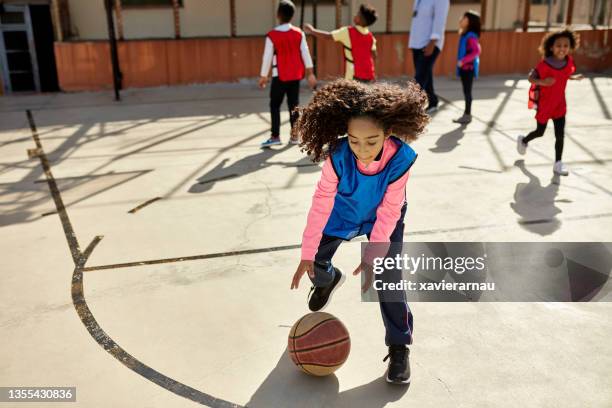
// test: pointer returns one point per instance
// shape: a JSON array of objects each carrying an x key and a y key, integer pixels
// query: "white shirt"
[
  {"x": 269, "y": 57},
  {"x": 429, "y": 23}
]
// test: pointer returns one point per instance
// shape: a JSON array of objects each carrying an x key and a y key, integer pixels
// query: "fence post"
[
  {"x": 483, "y": 13},
  {"x": 113, "y": 48},
  {"x": 177, "y": 19},
  {"x": 232, "y": 18},
  {"x": 59, "y": 32},
  {"x": 526, "y": 15},
  {"x": 389, "y": 15},
  {"x": 119, "y": 17},
  {"x": 570, "y": 12}
]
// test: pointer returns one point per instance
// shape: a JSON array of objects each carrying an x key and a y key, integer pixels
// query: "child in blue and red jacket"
[
  {"x": 286, "y": 52},
  {"x": 547, "y": 92},
  {"x": 468, "y": 59}
]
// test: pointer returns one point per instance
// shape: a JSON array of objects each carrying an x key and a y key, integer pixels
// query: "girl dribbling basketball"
[{"x": 361, "y": 132}]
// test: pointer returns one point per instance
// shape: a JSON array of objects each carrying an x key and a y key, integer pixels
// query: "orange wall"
[{"x": 86, "y": 65}]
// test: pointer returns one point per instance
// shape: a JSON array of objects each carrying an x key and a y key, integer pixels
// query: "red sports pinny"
[
  {"x": 551, "y": 99},
  {"x": 288, "y": 56},
  {"x": 361, "y": 47}
]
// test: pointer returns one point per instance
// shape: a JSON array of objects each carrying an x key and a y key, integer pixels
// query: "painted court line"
[
  {"x": 139, "y": 207},
  {"x": 82, "y": 309}
]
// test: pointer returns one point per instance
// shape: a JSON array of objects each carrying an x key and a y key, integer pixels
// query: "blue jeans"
[
  {"x": 423, "y": 72},
  {"x": 396, "y": 316}
]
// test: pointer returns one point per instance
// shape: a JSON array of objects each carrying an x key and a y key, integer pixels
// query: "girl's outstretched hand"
[
  {"x": 369, "y": 275},
  {"x": 303, "y": 267}
]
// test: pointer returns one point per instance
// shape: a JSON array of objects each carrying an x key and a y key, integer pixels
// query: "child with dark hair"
[
  {"x": 547, "y": 91},
  {"x": 359, "y": 44},
  {"x": 362, "y": 190},
  {"x": 286, "y": 52},
  {"x": 468, "y": 59}
]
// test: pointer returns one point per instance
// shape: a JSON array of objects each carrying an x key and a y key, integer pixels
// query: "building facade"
[{"x": 47, "y": 45}]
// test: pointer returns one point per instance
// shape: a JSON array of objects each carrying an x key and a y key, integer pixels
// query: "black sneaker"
[
  {"x": 399, "y": 365},
  {"x": 319, "y": 296}
]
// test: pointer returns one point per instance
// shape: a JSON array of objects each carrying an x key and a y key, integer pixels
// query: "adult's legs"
[
  {"x": 536, "y": 133},
  {"x": 467, "y": 78},
  {"x": 293, "y": 99},
  {"x": 559, "y": 124},
  {"x": 277, "y": 93},
  {"x": 423, "y": 68}
]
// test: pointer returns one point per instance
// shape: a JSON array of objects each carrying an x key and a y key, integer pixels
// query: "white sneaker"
[
  {"x": 521, "y": 147},
  {"x": 560, "y": 168}
]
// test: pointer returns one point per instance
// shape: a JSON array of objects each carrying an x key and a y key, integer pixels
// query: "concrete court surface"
[{"x": 214, "y": 328}]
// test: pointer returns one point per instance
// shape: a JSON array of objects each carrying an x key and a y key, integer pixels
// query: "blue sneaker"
[{"x": 271, "y": 142}]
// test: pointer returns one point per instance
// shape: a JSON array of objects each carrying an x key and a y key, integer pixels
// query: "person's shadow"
[
  {"x": 287, "y": 386},
  {"x": 244, "y": 166},
  {"x": 448, "y": 141},
  {"x": 535, "y": 204}
]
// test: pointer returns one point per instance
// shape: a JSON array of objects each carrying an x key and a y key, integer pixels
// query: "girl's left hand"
[
  {"x": 459, "y": 64},
  {"x": 577, "y": 77},
  {"x": 369, "y": 274}
]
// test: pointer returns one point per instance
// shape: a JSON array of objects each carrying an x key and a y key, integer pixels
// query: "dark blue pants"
[
  {"x": 397, "y": 316},
  {"x": 423, "y": 72}
]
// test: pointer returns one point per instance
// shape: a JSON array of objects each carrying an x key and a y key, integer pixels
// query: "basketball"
[{"x": 319, "y": 343}]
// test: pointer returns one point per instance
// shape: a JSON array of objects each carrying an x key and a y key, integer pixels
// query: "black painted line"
[
  {"x": 229, "y": 176},
  {"x": 297, "y": 246},
  {"x": 533, "y": 222},
  {"x": 192, "y": 257},
  {"x": 73, "y": 243},
  {"x": 141, "y": 206},
  {"x": 125, "y": 358},
  {"x": 87, "y": 318}
]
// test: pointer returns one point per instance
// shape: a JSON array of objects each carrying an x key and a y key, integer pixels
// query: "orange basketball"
[{"x": 319, "y": 343}]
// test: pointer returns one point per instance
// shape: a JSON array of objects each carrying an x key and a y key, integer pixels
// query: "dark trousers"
[
  {"x": 278, "y": 89},
  {"x": 467, "y": 79},
  {"x": 396, "y": 316},
  {"x": 559, "y": 124},
  {"x": 423, "y": 72}
]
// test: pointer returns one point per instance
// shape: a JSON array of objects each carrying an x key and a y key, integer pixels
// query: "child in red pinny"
[{"x": 547, "y": 92}]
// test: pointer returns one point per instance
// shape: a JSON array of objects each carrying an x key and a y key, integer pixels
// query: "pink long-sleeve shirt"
[
  {"x": 387, "y": 214},
  {"x": 473, "y": 51}
]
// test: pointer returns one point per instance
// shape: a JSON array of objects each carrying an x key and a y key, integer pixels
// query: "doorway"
[{"x": 27, "y": 58}]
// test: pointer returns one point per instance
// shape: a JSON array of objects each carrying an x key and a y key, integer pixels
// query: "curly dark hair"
[
  {"x": 399, "y": 111},
  {"x": 368, "y": 13},
  {"x": 549, "y": 39}
]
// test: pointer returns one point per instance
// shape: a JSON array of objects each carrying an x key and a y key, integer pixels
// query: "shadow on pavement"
[
  {"x": 287, "y": 386},
  {"x": 535, "y": 204}
]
